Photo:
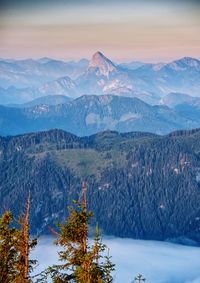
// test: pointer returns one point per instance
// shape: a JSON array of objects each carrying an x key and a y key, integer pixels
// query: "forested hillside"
[{"x": 140, "y": 185}]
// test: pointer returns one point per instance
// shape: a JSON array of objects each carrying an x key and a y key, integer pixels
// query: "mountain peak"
[
  {"x": 191, "y": 62},
  {"x": 184, "y": 63},
  {"x": 101, "y": 64},
  {"x": 98, "y": 54},
  {"x": 44, "y": 60}
]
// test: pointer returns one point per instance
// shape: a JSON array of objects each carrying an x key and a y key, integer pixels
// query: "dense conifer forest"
[{"x": 140, "y": 185}]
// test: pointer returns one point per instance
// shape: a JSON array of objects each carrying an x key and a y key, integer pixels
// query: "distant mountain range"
[
  {"x": 30, "y": 73},
  {"x": 140, "y": 185},
  {"x": 85, "y": 97},
  {"x": 43, "y": 100},
  {"x": 24, "y": 80},
  {"x": 184, "y": 105},
  {"x": 90, "y": 114}
]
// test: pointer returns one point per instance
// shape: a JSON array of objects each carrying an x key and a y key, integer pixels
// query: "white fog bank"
[{"x": 159, "y": 262}]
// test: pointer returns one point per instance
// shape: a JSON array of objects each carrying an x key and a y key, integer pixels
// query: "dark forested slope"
[{"x": 140, "y": 185}]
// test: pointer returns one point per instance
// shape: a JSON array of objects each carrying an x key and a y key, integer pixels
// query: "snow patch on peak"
[
  {"x": 66, "y": 82},
  {"x": 117, "y": 85}
]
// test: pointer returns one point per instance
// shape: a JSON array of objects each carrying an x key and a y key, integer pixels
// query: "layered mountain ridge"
[
  {"x": 90, "y": 114},
  {"x": 22, "y": 81}
]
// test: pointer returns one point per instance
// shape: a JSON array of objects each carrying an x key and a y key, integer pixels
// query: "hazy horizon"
[{"x": 89, "y": 58}]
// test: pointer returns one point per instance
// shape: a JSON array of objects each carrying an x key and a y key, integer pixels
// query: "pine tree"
[
  {"x": 8, "y": 252},
  {"x": 81, "y": 261},
  {"x": 24, "y": 246},
  {"x": 97, "y": 249},
  {"x": 108, "y": 268},
  {"x": 139, "y": 278}
]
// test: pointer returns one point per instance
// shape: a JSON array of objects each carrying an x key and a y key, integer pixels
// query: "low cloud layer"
[{"x": 159, "y": 262}]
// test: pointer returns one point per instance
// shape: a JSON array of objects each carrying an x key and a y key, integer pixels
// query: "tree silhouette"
[
  {"x": 24, "y": 246},
  {"x": 139, "y": 278},
  {"x": 8, "y": 251},
  {"x": 82, "y": 262}
]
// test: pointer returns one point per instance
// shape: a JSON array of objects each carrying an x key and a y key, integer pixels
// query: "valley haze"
[{"x": 160, "y": 262}]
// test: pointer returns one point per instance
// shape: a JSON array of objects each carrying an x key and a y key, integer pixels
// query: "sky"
[{"x": 124, "y": 30}]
